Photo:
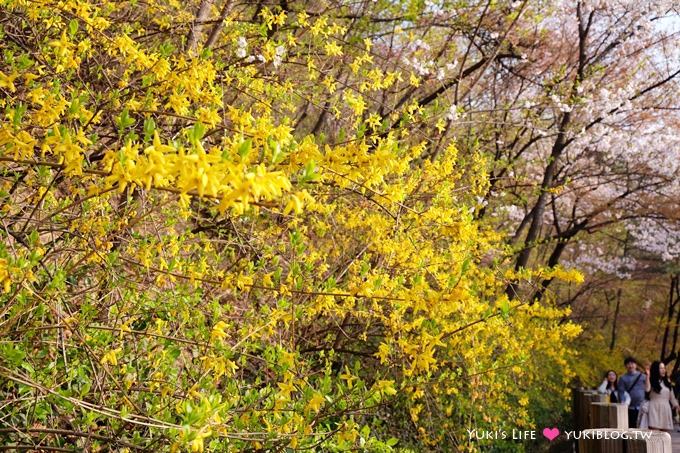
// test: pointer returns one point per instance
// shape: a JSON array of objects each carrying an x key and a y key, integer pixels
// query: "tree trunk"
[
  {"x": 195, "y": 30},
  {"x": 672, "y": 302},
  {"x": 215, "y": 32},
  {"x": 612, "y": 343}
]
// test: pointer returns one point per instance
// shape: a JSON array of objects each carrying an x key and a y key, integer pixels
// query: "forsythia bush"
[{"x": 181, "y": 269}]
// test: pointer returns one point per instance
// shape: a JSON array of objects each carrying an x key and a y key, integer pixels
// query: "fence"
[{"x": 602, "y": 427}]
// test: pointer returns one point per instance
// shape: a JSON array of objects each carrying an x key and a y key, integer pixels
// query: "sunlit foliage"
[{"x": 191, "y": 261}]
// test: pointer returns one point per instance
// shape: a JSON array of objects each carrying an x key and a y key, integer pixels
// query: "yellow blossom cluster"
[{"x": 203, "y": 253}]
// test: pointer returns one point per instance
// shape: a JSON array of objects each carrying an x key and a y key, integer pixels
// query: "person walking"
[
  {"x": 659, "y": 415},
  {"x": 633, "y": 383},
  {"x": 609, "y": 386}
]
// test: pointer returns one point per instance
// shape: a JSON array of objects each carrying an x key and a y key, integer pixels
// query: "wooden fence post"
[
  {"x": 607, "y": 415},
  {"x": 610, "y": 440}
]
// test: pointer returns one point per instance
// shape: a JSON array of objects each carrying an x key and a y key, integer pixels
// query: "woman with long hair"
[
  {"x": 609, "y": 386},
  {"x": 660, "y": 391}
]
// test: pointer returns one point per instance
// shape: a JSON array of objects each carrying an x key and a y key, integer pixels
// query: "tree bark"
[
  {"x": 669, "y": 317},
  {"x": 217, "y": 28},
  {"x": 197, "y": 26},
  {"x": 612, "y": 343}
]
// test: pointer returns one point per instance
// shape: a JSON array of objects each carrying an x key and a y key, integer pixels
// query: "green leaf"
[
  {"x": 197, "y": 132},
  {"x": 309, "y": 172},
  {"x": 174, "y": 352},
  {"x": 465, "y": 267},
  {"x": 73, "y": 27},
  {"x": 244, "y": 148},
  {"x": 131, "y": 137},
  {"x": 13, "y": 355},
  {"x": 366, "y": 431},
  {"x": 124, "y": 120},
  {"x": 206, "y": 53},
  {"x": 24, "y": 61},
  {"x": 504, "y": 307},
  {"x": 277, "y": 153},
  {"x": 85, "y": 388},
  {"x": 147, "y": 80},
  {"x": 166, "y": 49},
  {"x": 149, "y": 128},
  {"x": 18, "y": 114},
  {"x": 361, "y": 130}
]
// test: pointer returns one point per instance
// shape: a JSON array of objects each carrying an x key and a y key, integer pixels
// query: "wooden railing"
[{"x": 603, "y": 427}]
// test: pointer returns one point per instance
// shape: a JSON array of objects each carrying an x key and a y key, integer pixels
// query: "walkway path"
[{"x": 676, "y": 441}]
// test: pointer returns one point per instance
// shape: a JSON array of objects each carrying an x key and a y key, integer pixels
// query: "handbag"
[
  {"x": 643, "y": 419},
  {"x": 624, "y": 398}
]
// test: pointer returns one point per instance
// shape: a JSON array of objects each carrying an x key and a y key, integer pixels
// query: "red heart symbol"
[{"x": 551, "y": 433}]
